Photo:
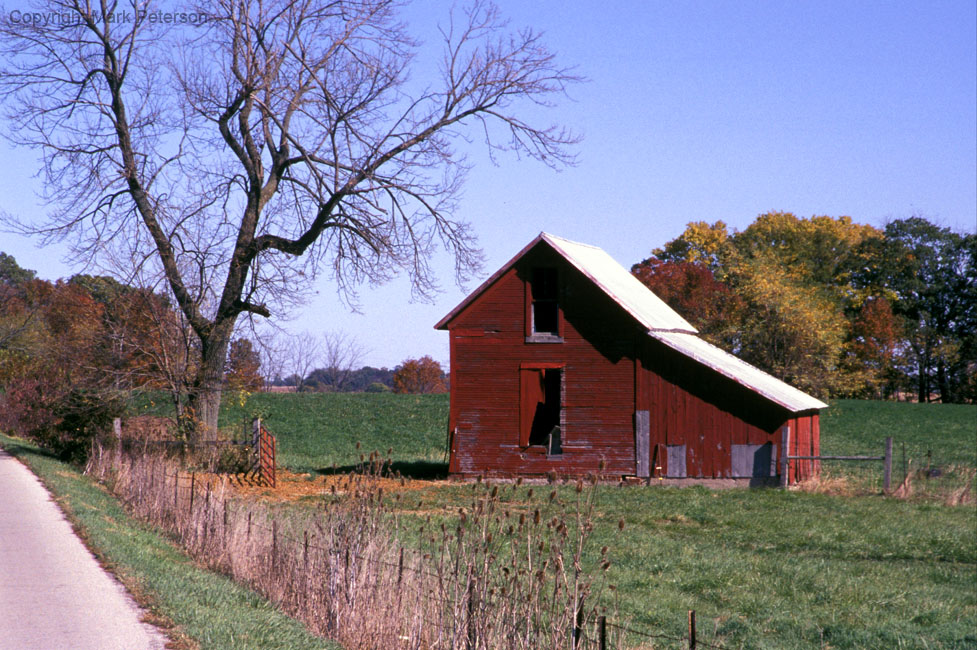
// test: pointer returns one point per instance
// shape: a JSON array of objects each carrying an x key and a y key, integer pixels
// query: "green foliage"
[
  {"x": 11, "y": 273},
  {"x": 83, "y": 415},
  {"x": 931, "y": 272}
]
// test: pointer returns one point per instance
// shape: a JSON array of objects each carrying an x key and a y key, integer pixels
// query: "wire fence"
[{"x": 341, "y": 572}]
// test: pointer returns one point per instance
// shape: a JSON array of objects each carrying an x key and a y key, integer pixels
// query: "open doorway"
[{"x": 542, "y": 408}]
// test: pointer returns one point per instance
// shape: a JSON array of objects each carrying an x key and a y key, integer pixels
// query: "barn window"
[
  {"x": 541, "y": 408},
  {"x": 545, "y": 309}
]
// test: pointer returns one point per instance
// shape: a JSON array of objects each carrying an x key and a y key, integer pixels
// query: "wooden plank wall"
[
  {"x": 695, "y": 406},
  {"x": 488, "y": 346}
]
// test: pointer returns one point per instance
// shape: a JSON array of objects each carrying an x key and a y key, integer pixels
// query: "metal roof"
[
  {"x": 601, "y": 269},
  {"x": 618, "y": 283},
  {"x": 662, "y": 322}
]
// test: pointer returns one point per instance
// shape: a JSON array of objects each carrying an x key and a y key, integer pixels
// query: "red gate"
[{"x": 263, "y": 446}]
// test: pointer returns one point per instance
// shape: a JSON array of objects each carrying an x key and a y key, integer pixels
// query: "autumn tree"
[
  {"x": 790, "y": 279},
  {"x": 875, "y": 349},
  {"x": 238, "y": 154},
  {"x": 422, "y": 375},
  {"x": 691, "y": 289},
  {"x": 53, "y": 387},
  {"x": 243, "y": 371},
  {"x": 837, "y": 307},
  {"x": 700, "y": 243}
]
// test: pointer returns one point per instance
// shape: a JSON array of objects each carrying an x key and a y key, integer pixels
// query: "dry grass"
[
  {"x": 951, "y": 486},
  {"x": 492, "y": 575},
  {"x": 296, "y": 487},
  {"x": 833, "y": 485}
]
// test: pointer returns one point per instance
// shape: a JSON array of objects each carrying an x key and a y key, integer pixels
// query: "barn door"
[{"x": 642, "y": 444}]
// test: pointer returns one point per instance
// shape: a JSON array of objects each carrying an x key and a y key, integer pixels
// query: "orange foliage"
[{"x": 422, "y": 375}]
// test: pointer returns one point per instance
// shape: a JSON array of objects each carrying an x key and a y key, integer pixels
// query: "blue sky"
[{"x": 693, "y": 111}]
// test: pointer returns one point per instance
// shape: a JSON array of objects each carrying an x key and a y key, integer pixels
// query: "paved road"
[{"x": 53, "y": 593}]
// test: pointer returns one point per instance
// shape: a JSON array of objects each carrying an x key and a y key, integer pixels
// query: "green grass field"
[
  {"x": 317, "y": 430},
  {"x": 763, "y": 568}
]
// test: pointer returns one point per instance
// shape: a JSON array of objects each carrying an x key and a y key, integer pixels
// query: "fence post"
[
  {"x": 602, "y": 633},
  {"x": 274, "y": 545},
  {"x": 193, "y": 481},
  {"x": 224, "y": 529},
  {"x": 400, "y": 567},
  {"x": 905, "y": 468},
  {"x": 249, "y": 524},
  {"x": 887, "y": 471},
  {"x": 117, "y": 429},
  {"x": 578, "y": 624},
  {"x": 176, "y": 492},
  {"x": 472, "y": 635},
  {"x": 691, "y": 629},
  {"x": 305, "y": 551},
  {"x": 784, "y": 453}
]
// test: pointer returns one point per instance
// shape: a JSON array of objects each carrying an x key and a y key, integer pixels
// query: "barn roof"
[{"x": 661, "y": 321}]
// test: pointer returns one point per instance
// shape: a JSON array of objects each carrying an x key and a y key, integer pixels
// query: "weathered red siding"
[{"x": 611, "y": 368}]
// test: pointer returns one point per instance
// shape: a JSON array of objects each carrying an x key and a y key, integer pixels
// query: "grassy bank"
[{"x": 207, "y": 610}]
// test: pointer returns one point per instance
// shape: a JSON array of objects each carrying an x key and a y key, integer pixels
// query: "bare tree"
[
  {"x": 244, "y": 146},
  {"x": 274, "y": 362},
  {"x": 303, "y": 354},
  {"x": 342, "y": 354}
]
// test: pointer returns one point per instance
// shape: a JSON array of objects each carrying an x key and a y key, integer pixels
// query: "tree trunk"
[
  {"x": 944, "y": 384},
  {"x": 205, "y": 396}
]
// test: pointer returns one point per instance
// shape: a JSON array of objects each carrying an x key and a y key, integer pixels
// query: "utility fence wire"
[{"x": 498, "y": 579}]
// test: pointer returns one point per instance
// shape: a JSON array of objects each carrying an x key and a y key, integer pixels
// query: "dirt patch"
[{"x": 293, "y": 487}]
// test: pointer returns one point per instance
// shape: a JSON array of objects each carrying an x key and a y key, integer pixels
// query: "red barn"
[{"x": 562, "y": 360}]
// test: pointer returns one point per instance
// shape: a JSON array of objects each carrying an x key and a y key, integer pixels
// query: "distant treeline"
[{"x": 331, "y": 380}]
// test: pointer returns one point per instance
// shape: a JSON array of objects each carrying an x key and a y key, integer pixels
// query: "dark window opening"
[{"x": 546, "y": 311}]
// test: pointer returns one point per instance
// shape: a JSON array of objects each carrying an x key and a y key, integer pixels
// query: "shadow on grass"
[
  {"x": 424, "y": 470},
  {"x": 19, "y": 450}
]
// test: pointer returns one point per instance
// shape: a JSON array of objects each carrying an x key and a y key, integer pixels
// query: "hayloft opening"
[{"x": 545, "y": 310}]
